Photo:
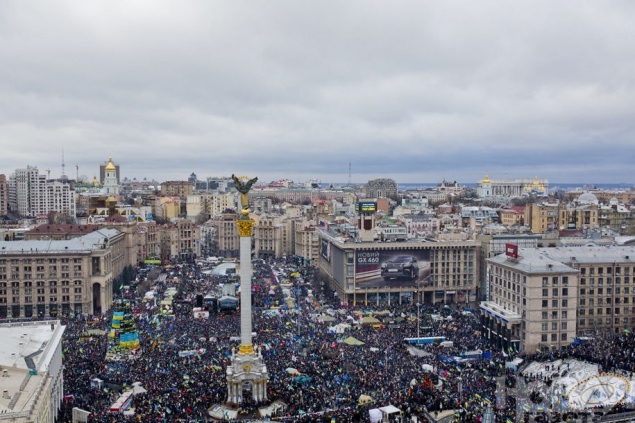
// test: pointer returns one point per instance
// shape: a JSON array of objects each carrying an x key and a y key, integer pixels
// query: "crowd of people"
[{"x": 384, "y": 370}]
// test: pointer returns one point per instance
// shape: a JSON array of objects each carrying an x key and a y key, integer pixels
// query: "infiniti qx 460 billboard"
[{"x": 397, "y": 268}]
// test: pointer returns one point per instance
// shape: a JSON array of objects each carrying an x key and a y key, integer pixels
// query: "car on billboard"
[{"x": 400, "y": 267}]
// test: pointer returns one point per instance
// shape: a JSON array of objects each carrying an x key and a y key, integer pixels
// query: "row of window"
[
  {"x": 39, "y": 260},
  {"x": 606, "y": 321},
  {"x": 554, "y": 337},
  {"x": 28, "y": 284},
  {"x": 39, "y": 299}
]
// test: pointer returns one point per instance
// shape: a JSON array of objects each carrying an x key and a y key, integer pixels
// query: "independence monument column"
[{"x": 247, "y": 369}]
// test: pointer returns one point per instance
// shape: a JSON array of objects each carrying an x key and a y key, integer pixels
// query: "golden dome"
[
  {"x": 486, "y": 180},
  {"x": 110, "y": 167},
  {"x": 536, "y": 183},
  {"x": 95, "y": 181}
]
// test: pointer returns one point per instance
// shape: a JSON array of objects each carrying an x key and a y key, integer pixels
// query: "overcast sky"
[{"x": 416, "y": 91}]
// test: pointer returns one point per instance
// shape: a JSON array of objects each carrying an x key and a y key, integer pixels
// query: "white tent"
[
  {"x": 375, "y": 415},
  {"x": 388, "y": 410},
  {"x": 138, "y": 389},
  {"x": 428, "y": 368}
]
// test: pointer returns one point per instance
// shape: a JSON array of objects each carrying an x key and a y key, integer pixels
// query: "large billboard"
[
  {"x": 376, "y": 268},
  {"x": 325, "y": 249}
]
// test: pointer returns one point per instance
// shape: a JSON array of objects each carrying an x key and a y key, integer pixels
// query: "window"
[
  {"x": 565, "y": 303},
  {"x": 545, "y": 292},
  {"x": 544, "y": 327},
  {"x": 564, "y": 314},
  {"x": 554, "y": 292},
  {"x": 544, "y": 337},
  {"x": 563, "y": 336},
  {"x": 554, "y": 326},
  {"x": 563, "y": 325},
  {"x": 554, "y": 303},
  {"x": 545, "y": 281},
  {"x": 554, "y": 337},
  {"x": 565, "y": 292},
  {"x": 554, "y": 280},
  {"x": 545, "y": 315}
]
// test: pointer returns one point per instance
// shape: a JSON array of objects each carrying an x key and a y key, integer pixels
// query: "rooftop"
[{"x": 88, "y": 242}]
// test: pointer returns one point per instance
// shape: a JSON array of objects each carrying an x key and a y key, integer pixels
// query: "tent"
[
  {"x": 375, "y": 415},
  {"x": 428, "y": 368},
  {"x": 138, "y": 389},
  {"x": 353, "y": 341},
  {"x": 370, "y": 320},
  {"x": 302, "y": 379},
  {"x": 326, "y": 318},
  {"x": 292, "y": 371},
  {"x": 388, "y": 410},
  {"x": 364, "y": 399}
]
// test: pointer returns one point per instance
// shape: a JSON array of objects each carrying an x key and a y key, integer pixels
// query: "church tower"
[{"x": 110, "y": 178}]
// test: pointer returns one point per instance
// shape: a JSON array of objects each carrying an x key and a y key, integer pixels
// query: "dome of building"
[
  {"x": 110, "y": 167},
  {"x": 95, "y": 181},
  {"x": 587, "y": 198},
  {"x": 614, "y": 202}
]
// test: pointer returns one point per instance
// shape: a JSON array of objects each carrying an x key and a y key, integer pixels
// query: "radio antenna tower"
[
  {"x": 63, "y": 166},
  {"x": 350, "y": 182}
]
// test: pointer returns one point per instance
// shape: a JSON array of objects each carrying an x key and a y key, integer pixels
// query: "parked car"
[{"x": 400, "y": 267}]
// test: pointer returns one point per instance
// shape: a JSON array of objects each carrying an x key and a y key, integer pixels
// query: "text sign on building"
[
  {"x": 366, "y": 207},
  {"x": 511, "y": 250}
]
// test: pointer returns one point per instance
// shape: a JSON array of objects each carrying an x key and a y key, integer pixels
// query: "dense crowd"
[{"x": 384, "y": 368}]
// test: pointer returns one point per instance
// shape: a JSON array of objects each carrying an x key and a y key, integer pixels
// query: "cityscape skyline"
[{"x": 417, "y": 92}]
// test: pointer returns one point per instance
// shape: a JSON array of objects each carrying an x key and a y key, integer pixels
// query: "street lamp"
[{"x": 418, "y": 321}]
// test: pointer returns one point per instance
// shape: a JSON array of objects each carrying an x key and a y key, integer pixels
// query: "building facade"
[
  {"x": 33, "y": 390},
  {"x": 65, "y": 277},
  {"x": 505, "y": 188},
  {"x": 400, "y": 272},
  {"x": 545, "y": 297}
]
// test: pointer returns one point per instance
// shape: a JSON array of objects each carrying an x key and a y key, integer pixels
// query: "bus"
[{"x": 425, "y": 340}]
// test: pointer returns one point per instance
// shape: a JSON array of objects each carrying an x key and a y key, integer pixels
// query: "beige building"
[
  {"x": 167, "y": 207},
  {"x": 52, "y": 278},
  {"x": 268, "y": 236},
  {"x": 307, "y": 242},
  {"x": 179, "y": 189},
  {"x": 531, "y": 302},
  {"x": 542, "y": 217},
  {"x": 226, "y": 231},
  {"x": 32, "y": 390},
  {"x": 213, "y": 203},
  {"x": 548, "y": 296},
  {"x": 179, "y": 240}
]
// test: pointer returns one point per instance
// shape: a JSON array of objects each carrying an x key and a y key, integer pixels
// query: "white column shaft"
[{"x": 245, "y": 290}]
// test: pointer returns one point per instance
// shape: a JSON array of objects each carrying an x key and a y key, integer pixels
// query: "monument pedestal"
[{"x": 247, "y": 372}]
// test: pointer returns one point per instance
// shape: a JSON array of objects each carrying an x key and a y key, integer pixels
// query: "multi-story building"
[
  {"x": 179, "y": 189},
  {"x": 543, "y": 298},
  {"x": 398, "y": 272},
  {"x": 4, "y": 196},
  {"x": 32, "y": 389},
  {"x": 531, "y": 301},
  {"x": 573, "y": 216},
  {"x": 180, "y": 240},
  {"x": 506, "y": 188},
  {"x": 30, "y": 194},
  {"x": 166, "y": 208},
  {"x": 381, "y": 188},
  {"x": 210, "y": 204},
  {"x": 307, "y": 242},
  {"x": 51, "y": 278},
  {"x": 513, "y": 216},
  {"x": 617, "y": 217},
  {"x": 268, "y": 236},
  {"x": 542, "y": 217},
  {"x": 227, "y": 234}
]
